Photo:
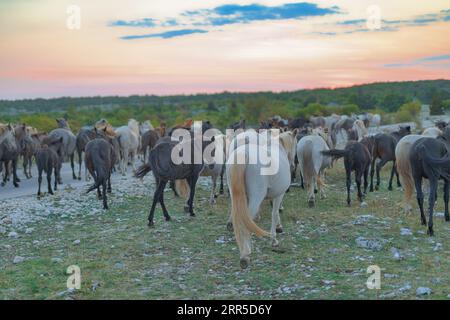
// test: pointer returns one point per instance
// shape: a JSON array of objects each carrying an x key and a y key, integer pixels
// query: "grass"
[{"x": 197, "y": 258}]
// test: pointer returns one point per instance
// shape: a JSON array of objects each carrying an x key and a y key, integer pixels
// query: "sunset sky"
[{"x": 185, "y": 46}]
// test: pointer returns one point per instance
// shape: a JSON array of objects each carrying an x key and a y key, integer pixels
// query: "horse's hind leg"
[
  {"x": 39, "y": 181},
  {"x": 192, "y": 182},
  {"x": 56, "y": 178},
  {"x": 392, "y": 176},
  {"x": 431, "y": 202},
  {"x": 348, "y": 182},
  {"x": 446, "y": 198},
  {"x": 25, "y": 166},
  {"x": 276, "y": 221},
  {"x": 372, "y": 172},
  {"x": 49, "y": 180},
  {"x": 222, "y": 172},
  {"x": 163, "y": 206},
  {"x": 105, "y": 199},
  {"x": 30, "y": 164},
  {"x": 72, "y": 164},
  {"x": 419, "y": 193},
  {"x": 358, "y": 176},
  {"x": 80, "y": 160},
  {"x": 212, "y": 198},
  {"x": 366, "y": 179},
  {"x": 397, "y": 175},
  {"x": 380, "y": 165},
  {"x": 16, "y": 179},
  {"x": 156, "y": 197}
]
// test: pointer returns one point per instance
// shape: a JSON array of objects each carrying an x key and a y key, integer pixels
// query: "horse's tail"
[
  {"x": 143, "y": 170},
  {"x": 439, "y": 166},
  {"x": 240, "y": 214},
  {"x": 182, "y": 188},
  {"x": 335, "y": 153},
  {"x": 308, "y": 163},
  {"x": 101, "y": 173},
  {"x": 405, "y": 173}
]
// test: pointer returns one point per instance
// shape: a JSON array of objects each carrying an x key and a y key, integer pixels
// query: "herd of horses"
[{"x": 299, "y": 148}]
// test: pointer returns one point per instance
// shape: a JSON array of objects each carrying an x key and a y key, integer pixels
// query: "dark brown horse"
[
  {"x": 100, "y": 158},
  {"x": 85, "y": 135},
  {"x": 48, "y": 160},
  {"x": 148, "y": 141},
  {"x": 384, "y": 149}
]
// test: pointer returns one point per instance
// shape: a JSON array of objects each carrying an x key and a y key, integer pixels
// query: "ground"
[{"x": 197, "y": 258}]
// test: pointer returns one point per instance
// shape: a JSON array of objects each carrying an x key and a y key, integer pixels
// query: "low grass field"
[{"x": 197, "y": 258}]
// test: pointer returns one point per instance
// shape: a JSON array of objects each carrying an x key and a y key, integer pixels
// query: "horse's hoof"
[
  {"x": 281, "y": 209},
  {"x": 279, "y": 230},
  {"x": 424, "y": 222},
  {"x": 377, "y": 188},
  {"x": 349, "y": 204},
  {"x": 390, "y": 188},
  {"x": 430, "y": 232},
  {"x": 192, "y": 214},
  {"x": 16, "y": 185},
  {"x": 230, "y": 226},
  {"x": 221, "y": 192},
  {"x": 105, "y": 208},
  {"x": 315, "y": 191},
  {"x": 216, "y": 196},
  {"x": 167, "y": 218},
  {"x": 51, "y": 192},
  {"x": 79, "y": 178},
  {"x": 311, "y": 203},
  {"x": 151, "y": 224},
  {"x": 186, "y": 209},
  {"x": 275, "y": 243},
  {"x": 447, "y": 218},
  {"x": 244, "y": 263}
]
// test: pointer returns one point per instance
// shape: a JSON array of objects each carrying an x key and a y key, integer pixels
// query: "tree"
[{"x": 437, "y": 104}]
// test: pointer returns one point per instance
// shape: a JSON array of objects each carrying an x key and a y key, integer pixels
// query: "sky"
[{"x": 163, "y": 47}]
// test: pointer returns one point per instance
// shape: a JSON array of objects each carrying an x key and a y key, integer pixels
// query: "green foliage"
[
  {"x": 225, "y": 108},
  {"x": 409, "y": 112}
]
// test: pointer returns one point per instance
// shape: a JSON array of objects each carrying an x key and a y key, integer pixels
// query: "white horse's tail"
[
  {"x": 182, "y": 188},
  {"x": 405, "y": 173},
  {"x": 308, "y": 163},
  {"x": 240, "y": 214}
]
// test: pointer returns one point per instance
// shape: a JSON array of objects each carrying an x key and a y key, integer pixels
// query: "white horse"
[
  {"x": 129, "y": 139},
  {"x": 376, "y": 120},
  {"x": 432, "y": 132},
  {"x": 360, "y": 129},
  {"x": 215, "y": 169},
  {"x": 312, "y": 163},
  {"x": 249, "y": 187}
]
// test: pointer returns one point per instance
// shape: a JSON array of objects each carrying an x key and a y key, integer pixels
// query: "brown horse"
[{"x": 384, "y": 149}]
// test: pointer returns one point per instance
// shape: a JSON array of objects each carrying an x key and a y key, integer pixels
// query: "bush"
[{"x": 409, "y": 112}]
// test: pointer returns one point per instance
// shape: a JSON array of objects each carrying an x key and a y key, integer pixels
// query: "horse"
[
  {"x": 186, "y": 126},
  {"x": 313, "y": 163},
  {"x": 339, "y": 131},
  {"x": 69, "y": 143},
  {"x": 317, "y": 122},
  {"x": 27, "y": 147},
  {"x": 384, "y": 149},
  {"x": 129, "y": 141},
  {"x": 48, "y": 160},
  {"x": 432, "y": 132},
  {"x": 84, "y": 135},
  {"x": 99, "y": 159},
  {"x": 248, "y": 187},
  {"x": 148, "y": 141},
  {"x": 237, "y": 125},
  {"x": 376, "y": 120},
  {"x": 360, "y": 128},
  {"x": 165, "y": 170},
  {"x": 430, "y": 159},
  {"x": 9, "y": 153},
  {"x": 356, "y": 158}
]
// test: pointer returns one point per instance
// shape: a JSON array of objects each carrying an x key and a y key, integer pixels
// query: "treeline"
[{"x": 396, "y": 101}]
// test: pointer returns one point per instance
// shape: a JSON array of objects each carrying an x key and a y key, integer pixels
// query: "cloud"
[
  {"x": 432, "y": 61},
  {"x": 142, "y": 23},
  {"x": 165, "y": 35},
  {"x": 230, "y": 14}
]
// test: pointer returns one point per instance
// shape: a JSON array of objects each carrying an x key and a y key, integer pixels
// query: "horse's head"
[
  {"x": 404, "y": 131},
  {"x": 62, "y": 123}
]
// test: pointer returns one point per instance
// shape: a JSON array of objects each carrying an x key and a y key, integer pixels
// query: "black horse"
[
  {"x": 165, "y": 170},
  {"x": 430, "y": 159},
  {"x": 356, "y": 158}
]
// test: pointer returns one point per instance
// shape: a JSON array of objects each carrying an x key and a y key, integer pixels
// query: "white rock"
[
  {"x": 29, "y": 230},
  {"x": 12, "y": 234},
  {"x": 363, "y": 204},
  {"x": 370, "y": 244},
  {"x": 422, "y": 291},
  {"x": 18, "y": 259},
  {"x": 405, "y": 232},
  {"x": 77, "y": 242}
]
